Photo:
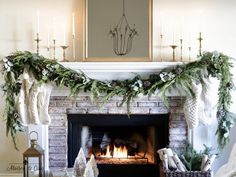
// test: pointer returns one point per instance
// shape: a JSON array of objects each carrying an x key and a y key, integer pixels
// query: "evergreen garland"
[{"x": 179, "y": 78}]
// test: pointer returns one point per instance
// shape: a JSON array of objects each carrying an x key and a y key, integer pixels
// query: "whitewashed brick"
[
  {"x": 77, "y": 110},
  {"x": 96, "y": 110},
  {"x": 56, "y": 110},
  {"x": 85, "y": 104},
  {"x": 61, "y": 137},
  {"x": 159, "y": 110},
  {"x": 66, "y": 104},
  {"x": 57, "y": 130},
  {"x": 117, "y": 110},
  {"x": 56, "y": 123},
  {"x": 139, "y": 110},
  {"x": 147, "y": 104},
  {"x": 132, "y": 104},
  {"x": 57, "y": 149}
]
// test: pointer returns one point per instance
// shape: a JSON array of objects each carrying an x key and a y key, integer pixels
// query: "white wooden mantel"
[
  {"x": 113, "y": 71},
  {"x": 118, "y": 70}
]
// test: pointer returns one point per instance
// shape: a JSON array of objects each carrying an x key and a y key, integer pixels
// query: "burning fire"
[{"x": 118, "y": 152}]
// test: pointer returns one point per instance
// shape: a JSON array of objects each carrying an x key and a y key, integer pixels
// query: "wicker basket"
[{"x": 167, "y": 173}]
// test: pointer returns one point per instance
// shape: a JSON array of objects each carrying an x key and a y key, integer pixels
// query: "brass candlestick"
[
  {"x": 54, "y": 49},
  {"x": 200, "y": 43},
  {"x": 37, "y": 43},
  {"x": 64, "y": 47},
  {"x": 73, "y": 46},
  {"x": 161, "y": 41},
  {"x": 48, "y": 50},
  {"x": 173, "y": 48},
  {"x": 181, "y": 49},
  {"x": 189, "y": 53}
]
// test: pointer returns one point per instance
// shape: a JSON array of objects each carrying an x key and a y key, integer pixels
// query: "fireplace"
[
  {"x": 119, "y": 141},
  {"x": 150, "y": 126}
]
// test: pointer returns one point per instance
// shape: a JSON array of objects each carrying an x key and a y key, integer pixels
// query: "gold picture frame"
[{"x": 98, "y": 21}]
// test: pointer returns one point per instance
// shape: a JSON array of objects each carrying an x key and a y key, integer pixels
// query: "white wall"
[{"x": 214, "y": 18}]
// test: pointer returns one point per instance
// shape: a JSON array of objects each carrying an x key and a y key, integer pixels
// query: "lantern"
[{"x": 34, "y": 154}]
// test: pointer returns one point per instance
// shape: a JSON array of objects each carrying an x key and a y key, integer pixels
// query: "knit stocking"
[
  {"x": 22, "y": 101},
  {"x": 191, "y": 107},
  {"x": 43, "y": 103},
  {"x": 33, "y": 109}
]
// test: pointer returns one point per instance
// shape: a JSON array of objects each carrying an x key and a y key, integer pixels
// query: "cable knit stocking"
[
  {"x": 191, "y": 107},
  {"x": 22, "y": 100},
  {"x": 33, "y": 108},
  {"x": 43, "y": 103}
]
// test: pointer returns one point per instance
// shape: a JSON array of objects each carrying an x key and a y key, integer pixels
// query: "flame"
[
  {"x": 118, "y": 152},
  {"x": 108, "y": 153}
]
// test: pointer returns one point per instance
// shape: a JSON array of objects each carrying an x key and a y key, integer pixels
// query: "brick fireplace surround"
[{"x": 60, "y": 106}]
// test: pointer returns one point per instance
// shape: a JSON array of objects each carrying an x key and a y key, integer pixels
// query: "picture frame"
[{"x": 104, "y": 16}]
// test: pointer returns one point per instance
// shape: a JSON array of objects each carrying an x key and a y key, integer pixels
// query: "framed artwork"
[{"x": 118, "y": 30}]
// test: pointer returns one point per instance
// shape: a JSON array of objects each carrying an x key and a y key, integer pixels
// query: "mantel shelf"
[{"x": 119, "y": 66}]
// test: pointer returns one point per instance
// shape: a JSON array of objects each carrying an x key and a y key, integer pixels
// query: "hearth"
[{"x": 122, "y": 145}]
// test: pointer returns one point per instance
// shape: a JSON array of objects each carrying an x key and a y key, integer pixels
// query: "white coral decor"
[
  {"x": 88, "y": 170},
  {"x": 93, "y": 163},
  {"x": 80, "y": 164}
]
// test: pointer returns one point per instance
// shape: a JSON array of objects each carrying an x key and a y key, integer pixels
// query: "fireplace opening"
[
  {"x": 119, "y": 145},
  {"x": 119, "y": 141}
]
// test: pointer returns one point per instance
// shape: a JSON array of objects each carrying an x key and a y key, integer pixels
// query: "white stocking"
[
  {"x": 22, "y": 101},
  {"x": 33, "y": 109},
  {"x": 191, "y": 107},
  {"x": 209, "y": 99},
  {"x": 43, "y": 103}
]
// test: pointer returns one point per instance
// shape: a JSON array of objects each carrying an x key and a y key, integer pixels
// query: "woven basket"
[{"x": 167, "y": 173}]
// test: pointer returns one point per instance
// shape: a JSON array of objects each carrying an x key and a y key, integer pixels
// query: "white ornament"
[
  {"x": 43, "y": 103},
  {"x": 80, "y": 164},
  {"x": 191, "y": 107},
  {"x": 93, "y": 163}
]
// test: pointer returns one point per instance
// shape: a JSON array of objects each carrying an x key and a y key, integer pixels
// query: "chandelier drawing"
[{"x": 123, "y": 35}]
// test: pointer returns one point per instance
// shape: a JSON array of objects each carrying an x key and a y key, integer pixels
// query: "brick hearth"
[{"x": 61, "y": 105}]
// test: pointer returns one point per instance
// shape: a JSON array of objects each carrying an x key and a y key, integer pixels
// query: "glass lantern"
[{"x": 34, "y": 155}]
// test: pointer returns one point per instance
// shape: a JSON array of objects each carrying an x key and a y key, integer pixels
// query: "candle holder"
[
  {"x": 37, "y": 43},
  {"x": 64, "y": 47},
  {"x": 48, "y": 50},
  {"x": 54, "y": 49},
  {"x": 73, "y": 46},
  {"x": 181, "y": 49},
  {"x": 189, "y": 54},
  {"x": 161, "y": 42},
  {"x": 200, "y": 43},
  {"x": 173, "y": 52}
]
